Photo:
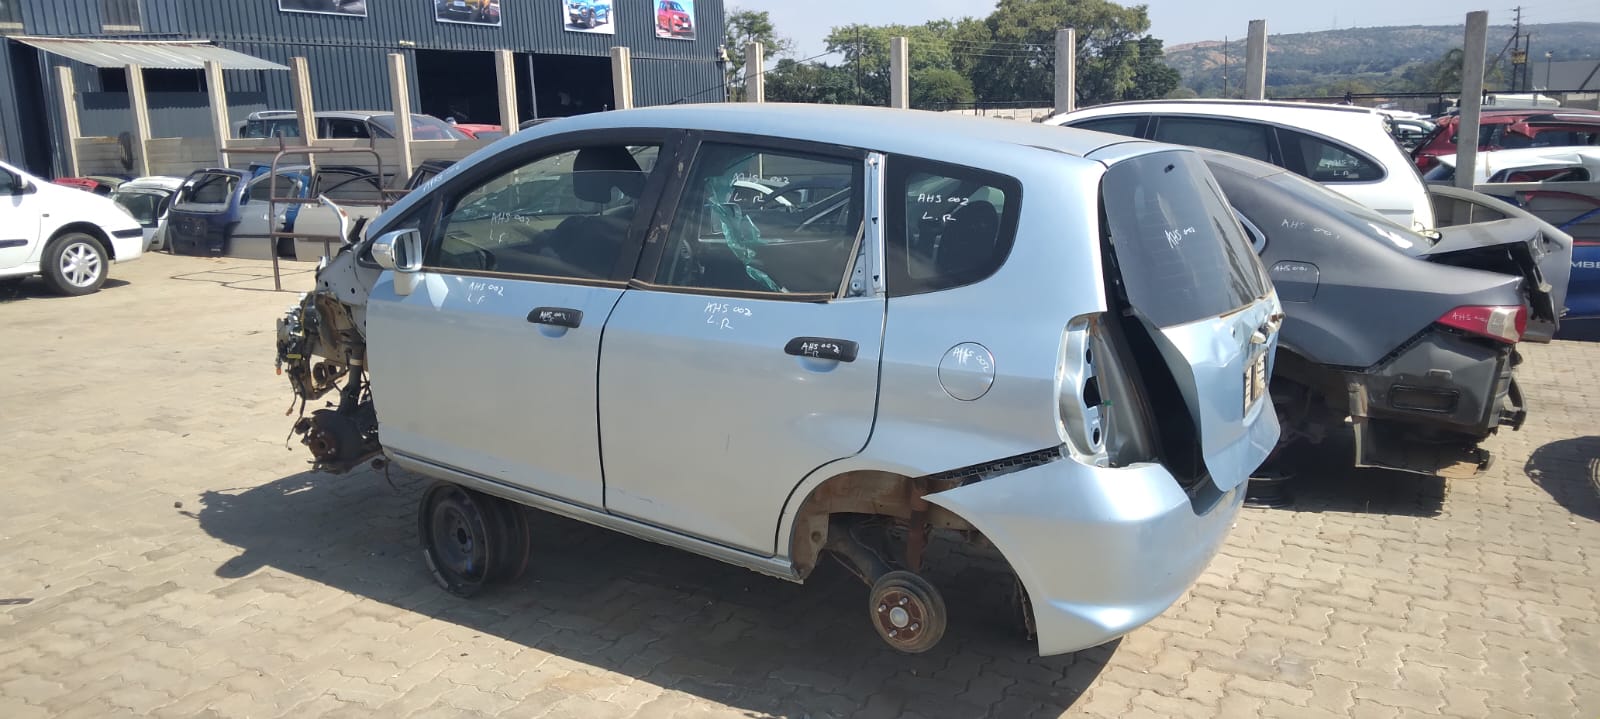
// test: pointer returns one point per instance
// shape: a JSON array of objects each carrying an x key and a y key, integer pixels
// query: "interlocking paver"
[{"x": 168, "y": 557}]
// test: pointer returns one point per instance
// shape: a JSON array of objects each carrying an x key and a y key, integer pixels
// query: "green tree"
[
  {"x": 792, "y": 81},
  {"x": 1018, "y": 61},
  {"x": 744, "y": 27}
]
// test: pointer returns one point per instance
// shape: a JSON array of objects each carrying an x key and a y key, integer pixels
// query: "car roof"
[
  {"x": 1326, "y": 119},
  {"x": 152, "y": 182},
  {"x": 1535, "y": 156},
  {"x": 913, "y": 132},
  {"x": 343, "y": 114}
]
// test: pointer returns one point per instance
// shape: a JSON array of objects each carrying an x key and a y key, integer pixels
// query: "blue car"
[
  {"x": 588, "y": 13},
  {"x": 225, "y": 212}
]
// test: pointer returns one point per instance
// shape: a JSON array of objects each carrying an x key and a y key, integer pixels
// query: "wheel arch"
[{"x": 87, "y": 228}]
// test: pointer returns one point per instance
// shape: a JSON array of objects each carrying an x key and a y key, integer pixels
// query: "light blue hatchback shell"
[{"x": 1100, "y": 550}]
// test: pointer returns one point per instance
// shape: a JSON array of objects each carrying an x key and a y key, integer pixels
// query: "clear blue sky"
[{"x": 1176, "y": 21}]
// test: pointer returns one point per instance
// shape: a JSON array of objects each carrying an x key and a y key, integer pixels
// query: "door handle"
[
  {"x": 557, "y": 316},
  {"x": 823, "y": 348}
]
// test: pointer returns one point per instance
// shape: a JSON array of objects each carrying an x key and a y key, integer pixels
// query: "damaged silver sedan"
[{"x": 767, "y": 334}]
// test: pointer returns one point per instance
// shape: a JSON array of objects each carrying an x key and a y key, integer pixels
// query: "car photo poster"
[
  {"x": 348, "y": 8},
  {"x": 675, "y": 19},
  {"x": 467, "y": 12},
  {"x": 596, "y": 16}
]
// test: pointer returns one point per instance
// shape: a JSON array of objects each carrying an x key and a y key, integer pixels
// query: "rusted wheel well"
[
  {"x": 870, "y": 494},
  {"x": 90, "y": 229}
]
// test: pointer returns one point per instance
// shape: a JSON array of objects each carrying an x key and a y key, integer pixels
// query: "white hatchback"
[
  {"x": 68, "y": 236},
  {"x": 1348, "y": 149}
]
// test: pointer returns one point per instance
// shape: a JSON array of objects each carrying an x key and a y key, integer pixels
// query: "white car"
[
  {"x": 1348, "y": 149},
  {"x": 1528, "y": 164},
  {"x": 147, "y": 199},
  {"x": 68, "y": 236}
]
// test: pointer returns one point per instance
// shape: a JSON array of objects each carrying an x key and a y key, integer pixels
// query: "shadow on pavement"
[
  {"x": 1325, "y": 481},
  {"x": 1569, "y": 470},
  {"x": 34, "y": 288},
  {"x": 668, "y": 617}
]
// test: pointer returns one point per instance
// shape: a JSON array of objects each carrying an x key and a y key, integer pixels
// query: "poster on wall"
[
  {"x": 590, "y": 16},
  {"x": 675, "y": 19},
  {"x": 348, "y": 8},
  {"x": 468, "y": 12}
]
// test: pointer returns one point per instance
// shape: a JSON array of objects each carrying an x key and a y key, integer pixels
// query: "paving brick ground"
[{"x": 165, "y": 555}]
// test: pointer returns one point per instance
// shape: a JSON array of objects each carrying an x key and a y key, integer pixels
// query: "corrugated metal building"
[{"x": 559, "y": 71}]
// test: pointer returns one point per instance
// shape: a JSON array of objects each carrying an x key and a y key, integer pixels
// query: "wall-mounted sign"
[
  {"x": 348, "y": 8},
  {"x": 675, "y": 19},
  {"x": 594, "y": 16},
  {"x": 470, "y": 12}
]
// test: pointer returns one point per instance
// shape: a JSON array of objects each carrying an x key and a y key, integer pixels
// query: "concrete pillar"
[
  {"x": 217, "y": 94},
  {"x": 1066, "y": 70},
  {"x": 1255, "y": 62},
  {"x": 1472, "y": 55},
  {"x": 400, "y": 95},
  {"x": 69, "y": 113},
  {"x": 141, "y": 119},
  {"x": 755, "y": 77},
  {"x": 506, "y": 73},
  {"x": 622, "y": 77},
  {"x": 304, "y": 109},
  {"x": 899, "y": 73}
]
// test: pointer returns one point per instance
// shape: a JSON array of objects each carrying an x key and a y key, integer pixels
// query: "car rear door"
[
  {"x": 746, "y": 356},
  {"x": 1193, "y": 283},
  {"x": 489, "y": 365}
]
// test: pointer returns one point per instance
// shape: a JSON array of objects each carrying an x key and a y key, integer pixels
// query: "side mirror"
[{"x": 400, "y": 251}]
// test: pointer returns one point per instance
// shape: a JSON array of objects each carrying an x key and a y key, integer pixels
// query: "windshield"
[
  {"x": 1181, "y": 254},
  {"x": 423, "y": 127},
  {"x": 145, "y": 207},
  {"x": 209, "y": 189}
]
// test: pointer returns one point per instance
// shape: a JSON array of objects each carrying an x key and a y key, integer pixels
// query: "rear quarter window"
[
  {"x": 949, "y": 225},
  {"x": 1325, "y": 161},
  {"x": 1176, "y": 244}
]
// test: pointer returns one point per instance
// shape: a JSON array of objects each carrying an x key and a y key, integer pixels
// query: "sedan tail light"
[{"x": 1502, "y": 323}]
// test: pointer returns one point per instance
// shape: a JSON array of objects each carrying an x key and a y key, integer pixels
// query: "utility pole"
[
  {"x": 1225, "y": 94},
  {"x": 1519, "y": 52}
]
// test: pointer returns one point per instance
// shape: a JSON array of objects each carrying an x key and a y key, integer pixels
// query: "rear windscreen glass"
[
  {"x": 209, "y": 190},
  {"x": 1180, "y": 251}
]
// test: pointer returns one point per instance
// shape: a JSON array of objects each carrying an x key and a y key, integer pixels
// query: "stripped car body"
[
  {"x": 1409, "y": 338},
  {"x": 1015, "y": 370}
]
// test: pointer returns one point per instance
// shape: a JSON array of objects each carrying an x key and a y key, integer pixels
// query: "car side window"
[
  {"x": 1324, "y": 161},
  {"x": 261, "y": 189},
  {"x": 738, "y": 228},
  {"x": 565, "y": 215},
  {"x": 343, "y": 129},
  {"x": 1130, "y": 126},
  {"x": 1240, "y": 138},
  {"x": 948, "y": 225}
]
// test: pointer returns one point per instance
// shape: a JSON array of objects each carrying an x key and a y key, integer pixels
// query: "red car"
[
  {"x": 1511, "y": 129},
  {"x": 478, "y": 131},
  {"x": 98, "y": 185},
  {"x": 672, "y": 20}
]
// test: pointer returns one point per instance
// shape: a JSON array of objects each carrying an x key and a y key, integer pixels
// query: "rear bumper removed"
[{"x": 1101, "y": 551}]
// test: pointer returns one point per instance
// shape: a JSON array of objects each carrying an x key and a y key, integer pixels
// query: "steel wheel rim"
[
  {"x": 459, "y": 542},
  {"x": 80, "y": 264}
]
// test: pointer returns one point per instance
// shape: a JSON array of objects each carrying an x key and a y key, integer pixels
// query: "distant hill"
[{"x": 1374, "y": 58}]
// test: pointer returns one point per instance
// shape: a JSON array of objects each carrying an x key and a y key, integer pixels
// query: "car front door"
[
  {"x": 19, "y": 218},
  {"x": 746, "y": 356},
  {"x": 489, "y": 365}
]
